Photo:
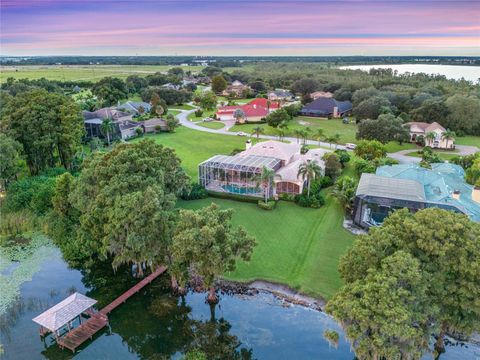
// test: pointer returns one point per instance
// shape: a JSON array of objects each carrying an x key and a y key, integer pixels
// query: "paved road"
[
  {"x": 399, "y": 156},
  {"x": 402, "y": 157},
  {"x": 183, "y": 118}
]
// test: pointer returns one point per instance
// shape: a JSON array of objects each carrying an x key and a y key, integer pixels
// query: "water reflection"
[{"x": 155, "y": 325}]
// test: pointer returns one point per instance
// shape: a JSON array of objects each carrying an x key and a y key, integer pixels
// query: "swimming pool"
[{"x": 243, "y": 190}]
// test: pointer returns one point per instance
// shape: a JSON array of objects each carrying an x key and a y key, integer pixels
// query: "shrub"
[
  {"x": 314, "y": 201},
  {"x": 286, "y": 197},
  {"x": 196, "y": 192},
  {"x": 332, "y": 337},
  {"x": 325, "y": 181},
  {"x": 343, "y": 156},
  {"x": 270, "y": 205},
  {"x": 198, "y": 112},
  {"x": 33, "y": 193}
]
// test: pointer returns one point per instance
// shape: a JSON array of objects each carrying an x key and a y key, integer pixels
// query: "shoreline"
[{"x": 283, "y": 292}]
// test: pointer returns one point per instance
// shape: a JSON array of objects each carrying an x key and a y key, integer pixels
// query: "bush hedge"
[
  {"x": 236, "y": 197},
  {"x": 269, "y": 205}
]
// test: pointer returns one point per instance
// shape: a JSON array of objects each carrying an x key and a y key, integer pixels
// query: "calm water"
[
  {"x": 154, "y": 325},
  {"x": 470, "y": 73}
]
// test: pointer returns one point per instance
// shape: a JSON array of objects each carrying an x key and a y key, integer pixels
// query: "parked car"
[
  {"x": 241, "y": 133},
  {"x": 350, "y": 146},
  {"x": 207, "y": 119}
]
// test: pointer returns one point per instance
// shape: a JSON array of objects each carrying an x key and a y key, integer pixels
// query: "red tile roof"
[{"x": 256, "y": 107}]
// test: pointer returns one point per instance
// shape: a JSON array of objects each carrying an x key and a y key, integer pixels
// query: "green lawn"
[
  {"x": 82, "y": 72},
  {"x": 468, "y": 140},
  {"x": 193, "y": 146},
  {"x": 183, "y": 107},
  {"x": 394, "y": 146},
  {"x": 442, "y": 155},
  {"x": 347, "y": 131},
  {"x": 296, "y": 246},
  {"x": 173, "y": 112},
  {"x": 212, "y": 124},
  {"x": 206, "y": 113}
]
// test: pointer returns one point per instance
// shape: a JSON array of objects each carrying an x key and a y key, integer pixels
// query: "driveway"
[
  {"x": 183, "y": 118},
  {"x": 401, "y": 156}
]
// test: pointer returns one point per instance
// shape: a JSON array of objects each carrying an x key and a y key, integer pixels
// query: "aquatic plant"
[{"x": 19, "y": 261}]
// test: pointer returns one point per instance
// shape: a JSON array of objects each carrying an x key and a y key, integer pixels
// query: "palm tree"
[
  {"x": 306, "y": 133},
  {"x": 336, "y": 139},
  {"x": 257, "y": 131},
  {"x": 309, "y": 170},
  {"x": 238, "y": 114},
  {"x": 429, "y": 137},
  {"x": 106, "y": 128},
  {"x": 330, "y": 140},
  {"x": 448, "y": 135},
  {"x": 265, "y": 178},
  {"x": 281, "y": 134},
  {"x": 298, "y": 134},
  {"x": 319, "y": 135}
]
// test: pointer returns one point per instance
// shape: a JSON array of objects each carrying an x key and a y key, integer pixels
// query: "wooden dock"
[{"x": 73, "y": 339}]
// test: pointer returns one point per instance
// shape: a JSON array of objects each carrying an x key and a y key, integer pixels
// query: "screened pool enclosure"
[{"x": 236, "y": 174}]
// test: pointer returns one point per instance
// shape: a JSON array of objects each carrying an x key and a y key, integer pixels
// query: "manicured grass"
[
  {"x": 442, "y": 155},
  {"x": 183, "y": 107},
  {"x": 83, "y": 72},
  {"x": 173, "y": 112},
  {"x": 193, "y": 146},
  {"x": 206, "y": 113},
  {"x": 394, "y": 146},
  {"x": 347, "y": 132},
  {"x": 212, "y": 124},
  {"x": 468, "y": 140},
  {"x": 296, "y": 246}
]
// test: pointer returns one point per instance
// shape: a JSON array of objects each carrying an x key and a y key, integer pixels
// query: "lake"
[
  {"x": 155, "y": 325},
  {"x": 470, "y": 73}
]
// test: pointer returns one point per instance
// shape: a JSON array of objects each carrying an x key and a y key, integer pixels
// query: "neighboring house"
[
  {"x": 124, "y": 126},
  {"x": 171, "y": 86},
  {"x": 239, "y": 174},
  {"x": 327, "y": 107},
  {"x": 413, "y": 187},
  {"x": 151, "y": 125},
  {"x": 256, "y": 110},
  {"x": 135, "y": 107},
  {"x": 419, "y": 130},
  {"x": 236, "y": 89},
  {"x": 319, "y": 94},
  {"x": 128, "y": 128},
  {"x": 280, "y": 95}
]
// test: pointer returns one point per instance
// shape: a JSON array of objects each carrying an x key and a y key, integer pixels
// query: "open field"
[
  {"x": 82, "y": 72},
  {"x": 193, "y": 146},
  {"x": 296, "y": 246}
]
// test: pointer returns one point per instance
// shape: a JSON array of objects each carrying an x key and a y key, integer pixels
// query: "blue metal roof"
[{"x": 439, "y": 184}]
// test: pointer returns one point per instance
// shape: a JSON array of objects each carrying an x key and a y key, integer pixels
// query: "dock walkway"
[{"x": 73, "y": 339}]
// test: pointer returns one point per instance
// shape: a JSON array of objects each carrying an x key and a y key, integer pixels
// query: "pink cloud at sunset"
[{"x": 240, "y": 27}]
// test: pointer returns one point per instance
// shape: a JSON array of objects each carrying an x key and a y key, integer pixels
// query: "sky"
[{"x": 240, "y": 27}]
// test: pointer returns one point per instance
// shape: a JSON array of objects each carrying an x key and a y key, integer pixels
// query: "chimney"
[
  {"x": 248, "y": 144},
  {"x": 254, "y": 106},
  {"x": 456, "y": 195},
  {"x": 476, "y": 194}
]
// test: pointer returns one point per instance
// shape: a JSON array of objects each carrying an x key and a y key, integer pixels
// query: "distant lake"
[{"x": 471, "y": 73}]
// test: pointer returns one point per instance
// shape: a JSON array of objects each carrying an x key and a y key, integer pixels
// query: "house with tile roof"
[
  {"x": 420, "y": 130},
  {"x": 280, "y": 95},
  {"x": 327, "y": 107},
  {"x": 254, "y": 111},
  {"x": 413, "y": 187},
  {"x": 236, "y": 89},
  {"x": 237, "y": 174}
]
